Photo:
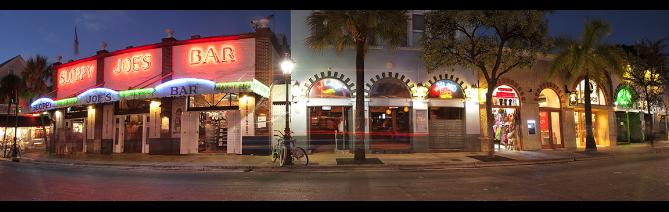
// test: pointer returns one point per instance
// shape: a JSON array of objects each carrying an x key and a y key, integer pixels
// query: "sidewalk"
[{"x": 328, "y": 161}]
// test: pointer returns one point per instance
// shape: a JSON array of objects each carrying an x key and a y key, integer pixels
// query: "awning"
[{"x": 172, "y": 88}]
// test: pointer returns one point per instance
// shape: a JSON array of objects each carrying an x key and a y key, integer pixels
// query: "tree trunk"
[
  {"x": 651, "y": 137},
  {"x": 490, "y": 118},
  {"x": 4, "y": 136},
  {"x": 590, "y": 145},
  {"x": 359, "y": 145}
]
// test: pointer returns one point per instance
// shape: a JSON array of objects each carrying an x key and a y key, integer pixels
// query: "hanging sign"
[
  {"x": 185, "y": 87},
  {"x": 446, "y": 89},
  {"x": 42, "y": 104},
  {"x": 97, "y": 95}
]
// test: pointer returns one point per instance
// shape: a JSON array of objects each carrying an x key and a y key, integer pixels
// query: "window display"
[
  {"x": 504, "y": 127},
  {"x": 505, "y": 96}
]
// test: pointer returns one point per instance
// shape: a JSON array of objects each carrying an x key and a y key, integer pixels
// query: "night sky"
[{"x": 51, "y": 33}]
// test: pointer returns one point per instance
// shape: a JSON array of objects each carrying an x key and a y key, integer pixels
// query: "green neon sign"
[
  {"x": 66, "y": 102},
  {"x": 624, "y": 97},
  {"x": 137, "y": 93},
  {"x": 233, "y": 86}
]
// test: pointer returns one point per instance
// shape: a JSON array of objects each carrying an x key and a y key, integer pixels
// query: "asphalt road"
[{"x": 639, "y": 177}]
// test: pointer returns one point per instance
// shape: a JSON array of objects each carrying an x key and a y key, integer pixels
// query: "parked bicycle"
[{"x": 299, "y": 155}]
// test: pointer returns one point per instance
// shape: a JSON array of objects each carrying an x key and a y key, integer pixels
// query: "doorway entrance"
[
  {"x": 549, "y": 126},
  {"x": 390, "y": 128},
  {"x": 550, "y": 120},
  {"x": 328, "y": 128},
  {"x": 579, "y": 118},
  {"x": 213, "y": 132},
  {"x": 447, "y": 128},
  {"x": 132, "y": 139}
]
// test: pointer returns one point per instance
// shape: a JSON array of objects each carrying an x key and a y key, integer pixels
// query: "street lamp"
[{"x": 287, "y": 66}]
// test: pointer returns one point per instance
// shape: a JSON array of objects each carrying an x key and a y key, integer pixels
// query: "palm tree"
[
  {"x": 9, "y": 86},
  {"x": 38, "y": 77},
  {"x": 588, "y": 57},
  {"x": 359, "y": 29}
]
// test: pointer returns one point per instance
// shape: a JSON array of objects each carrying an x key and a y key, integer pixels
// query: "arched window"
[
  {"x": 446, "y": 89},
  {"x": 389, "y": 88},
  {"x": 596, "y": 97},
  {"x": 548, "y": 98},
  {"x": 329, "y": 88},
  {"x": 505, "y": 95}
]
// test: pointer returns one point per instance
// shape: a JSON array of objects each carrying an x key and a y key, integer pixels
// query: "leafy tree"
[
  {"x": 38, "y": 77},
  {"x": 493, "y": 42},
  {"x": 589, "y": 57},
  {"x": 647, "y": 71},
  {"x": 9, "y": 86},
  {"x": 356, "y": 29}
]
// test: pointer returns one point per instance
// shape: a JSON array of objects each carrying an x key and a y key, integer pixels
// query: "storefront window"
[
  {"x": 504, "y": 95},
  {"x": 329, "y": 88},
  {"x": 213, "y": 100},
  {"x": 391, "y": 128},
  {"x": 596, "y": 97},
  {"x": 446, "y": 89},
  {"x": 389, "y": 88}
]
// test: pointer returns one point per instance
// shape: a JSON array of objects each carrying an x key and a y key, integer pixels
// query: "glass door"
[
  {"x": 580, "y": 128},
  {"x": 549, "y": 126}
]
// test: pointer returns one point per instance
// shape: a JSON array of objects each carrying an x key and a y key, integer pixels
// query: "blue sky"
[{"x": 51, "y": 33}]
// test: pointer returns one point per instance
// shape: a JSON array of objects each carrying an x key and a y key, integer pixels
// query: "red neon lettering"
[
  {"x": 147, "y": 62},
  {"x": 199, "y": 58},
  {"x": 135, "y": 63},
  {"x": 228, "y": 53},
  {"x": 210, "y": 53}
]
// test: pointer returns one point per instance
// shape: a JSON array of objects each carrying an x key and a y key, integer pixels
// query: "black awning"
[{"x": 23, "y": 120}]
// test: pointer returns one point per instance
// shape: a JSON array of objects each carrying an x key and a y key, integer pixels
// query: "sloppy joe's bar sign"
[
  {"x": 76, "y": 73},
  {"x": 218, "y": 61},
  {"x": 42, "y": 104},
  {"x": 97, "y": 95},
  {"x": 185, "y": 87},
  {"x": 133, "y": 69},
  {"x": 72, "y": 79}
]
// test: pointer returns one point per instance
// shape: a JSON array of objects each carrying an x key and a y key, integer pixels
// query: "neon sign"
[
  {"x": 133, "y": 63},
  {"x": 42, "y": 104},
  {"x": 445, "y": 89},
  {"x": 185, "y": 87},
  {"x": 212, "y": 55},
  {"x": 97, "y": 95},
  {"x": 76, "y": 74},
  {"x": 624, "y": 97}
]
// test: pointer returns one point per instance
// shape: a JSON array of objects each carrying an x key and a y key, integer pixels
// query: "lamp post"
[{"x": 287, "y": 66}]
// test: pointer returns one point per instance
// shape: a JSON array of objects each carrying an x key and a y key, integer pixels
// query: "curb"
[{"x": 338, "y": 168}]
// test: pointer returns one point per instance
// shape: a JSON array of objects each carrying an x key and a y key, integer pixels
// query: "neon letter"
[{"x": 193, "y": 54}]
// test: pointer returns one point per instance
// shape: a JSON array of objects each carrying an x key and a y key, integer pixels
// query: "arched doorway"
[
  {"x": 328, "y": 122},
  {"x": 390, "y": 122},
  {"x": 600, "y": 116},
  {"x": 506, "y": 108},
  {"x": 550, "y": 120},
  {"x": 446, "y": 116}
]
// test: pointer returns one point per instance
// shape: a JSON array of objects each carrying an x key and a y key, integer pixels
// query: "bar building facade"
[{"x": 204, "y": 94}]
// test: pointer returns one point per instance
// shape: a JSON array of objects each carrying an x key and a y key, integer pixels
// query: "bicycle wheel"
[
  {"x": 282, "y": 155},
  {"x": 300, "y": 157}
]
